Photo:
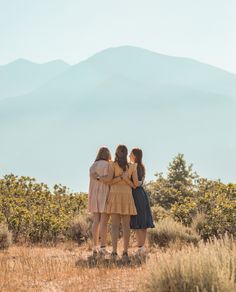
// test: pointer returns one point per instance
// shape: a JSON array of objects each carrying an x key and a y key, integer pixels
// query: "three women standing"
[{"x": 115, "y": 182}]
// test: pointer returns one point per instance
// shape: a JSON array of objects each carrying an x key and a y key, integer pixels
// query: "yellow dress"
[{"x": 120, "y": 199}]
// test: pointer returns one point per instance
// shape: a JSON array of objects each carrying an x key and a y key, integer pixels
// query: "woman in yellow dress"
[{"x": 120, "y": 203}]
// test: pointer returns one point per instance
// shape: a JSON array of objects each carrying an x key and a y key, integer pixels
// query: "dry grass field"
[
  {"x": 207, "y": 267},
  {"x": 63, "y": 268},
  {"x": 184, "y": 254}
]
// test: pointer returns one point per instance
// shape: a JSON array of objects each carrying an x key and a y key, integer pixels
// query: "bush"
[
  {"x": 216, "y": 201},
  {"x": 185, "y": 210},
  {"x": 208, "y": 267},
  {"x": 5, "y": 237},
  {"x": 184, "y": 194},
  {"x": 179, "y": 184},
  {"x": 159, "y": 213},
  {"x": 168, "y": 231},
  {"x": 35, "y": 213},
  {"x": 199, "y": 223},
  {"x": 80, "y": 228}
]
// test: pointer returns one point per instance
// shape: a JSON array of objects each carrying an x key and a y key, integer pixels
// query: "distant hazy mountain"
[
  {"x": 125, "y": 95},
  {"x": 22, "y": 76}
]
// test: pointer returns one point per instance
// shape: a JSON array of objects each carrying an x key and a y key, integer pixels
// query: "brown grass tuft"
[
  {"x": 209, "y": 267},
  {"x": 80, "y": 228},
  {"x": 168, "y": 232},
  {"x": 5, "y": 237}
]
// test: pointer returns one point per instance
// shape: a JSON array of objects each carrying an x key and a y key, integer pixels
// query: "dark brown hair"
[
  {"x": 138, "y": 154},
  {"x": 103, "y": 154},
  {"x": 121, "y": 157}
]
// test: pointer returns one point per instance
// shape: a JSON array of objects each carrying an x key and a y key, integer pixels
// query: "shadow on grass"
[{"x": 101, "y": 261}]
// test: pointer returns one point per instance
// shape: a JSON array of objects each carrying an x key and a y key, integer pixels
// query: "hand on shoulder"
[{"x": 134, "y": 165}]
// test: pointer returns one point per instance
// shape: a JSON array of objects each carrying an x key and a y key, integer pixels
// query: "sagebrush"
[
  {"x": 5, "y": 237},
  {"x": 168, "y": 231}
]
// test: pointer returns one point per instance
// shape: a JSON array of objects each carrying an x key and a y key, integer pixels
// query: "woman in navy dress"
[{"x": 143, "y": 219}]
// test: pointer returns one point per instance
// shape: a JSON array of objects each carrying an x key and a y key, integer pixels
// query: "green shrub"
[
  {"x": 34, "y": 212},
  {"x": 208, "y": 267},
  {"x": 168, "y": 231},
  {"x": 217, "y": 202},
  {"x": 5, "y": 237},
  {"x": 185, "y": 210},
  {"x": 179, "y": 184},
  {"x": 184, "y": 194},
  {"x": 159, "y": 213},
  {"x": 80, "y": 228}
]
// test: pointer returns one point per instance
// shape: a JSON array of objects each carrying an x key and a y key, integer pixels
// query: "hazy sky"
[{"x": 73, "y": 30}]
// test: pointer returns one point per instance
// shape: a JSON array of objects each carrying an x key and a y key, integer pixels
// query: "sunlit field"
[
  {"x": 67, "y": 267},
  {"x": 45, "y": 238}
]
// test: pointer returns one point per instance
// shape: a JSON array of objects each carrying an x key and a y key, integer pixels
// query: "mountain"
[
  {"x": 125, "y": 95},
  {"x": 22, "y": 76}
]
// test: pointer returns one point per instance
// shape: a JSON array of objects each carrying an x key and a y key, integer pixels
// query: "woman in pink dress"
[{"x": 97, "y": 196}]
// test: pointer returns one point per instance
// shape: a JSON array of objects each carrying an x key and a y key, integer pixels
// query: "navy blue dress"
[{"x": 143, "y": 219}]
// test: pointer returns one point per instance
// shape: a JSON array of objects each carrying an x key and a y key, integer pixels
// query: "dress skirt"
[
  {"x": 143, "y": 219},
  {"x": 98, "y": 191},
  {"x": 120, "y": 200}
]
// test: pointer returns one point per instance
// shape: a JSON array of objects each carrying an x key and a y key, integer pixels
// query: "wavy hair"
[
  {"x": 121, "y": 157},
  {"x": 138, "y": 154},
  {"x": 103, "y": 154}
]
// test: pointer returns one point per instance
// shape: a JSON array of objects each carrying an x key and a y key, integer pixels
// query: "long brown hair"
[
  {"x": 103, "y": 154},
  {"x": 121, "y": 157},
  {"x": 138, "y": 154}
]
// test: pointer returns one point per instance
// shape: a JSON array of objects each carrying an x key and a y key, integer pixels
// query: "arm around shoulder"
[
  {"x": 135, "y": 176},
  {"x": 110, "y": 173}
]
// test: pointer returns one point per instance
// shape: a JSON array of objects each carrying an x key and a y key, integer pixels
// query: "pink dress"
[{"x": 98, "y": 191}]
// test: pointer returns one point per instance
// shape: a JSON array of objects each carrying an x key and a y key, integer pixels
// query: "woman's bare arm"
[
  {"x": 115, "y": 180},
  {"x": 109, "y": 178},
  {"x": 134, "y": 183},
  {"x": 105, "y": 178},
  {"x": 135, "y": 177},
  {"x": 130, "y": 183}
]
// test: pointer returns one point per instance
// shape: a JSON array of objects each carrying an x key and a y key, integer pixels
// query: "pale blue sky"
[{"x": 73, "y": 30}]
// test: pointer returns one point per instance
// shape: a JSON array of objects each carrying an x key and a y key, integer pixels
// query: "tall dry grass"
[
  {"x": 80, "y": 228},
  {"x": 5, "y": 237},
  {"x": 168, "y": 232},
  {"x": 210, "y": 267}
]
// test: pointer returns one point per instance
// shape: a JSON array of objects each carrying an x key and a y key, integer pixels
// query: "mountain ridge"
[
  {"x": 165, "y": 105},
  {"x": 25, "y": 60},
  {"x": 23, "y": 76}
]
